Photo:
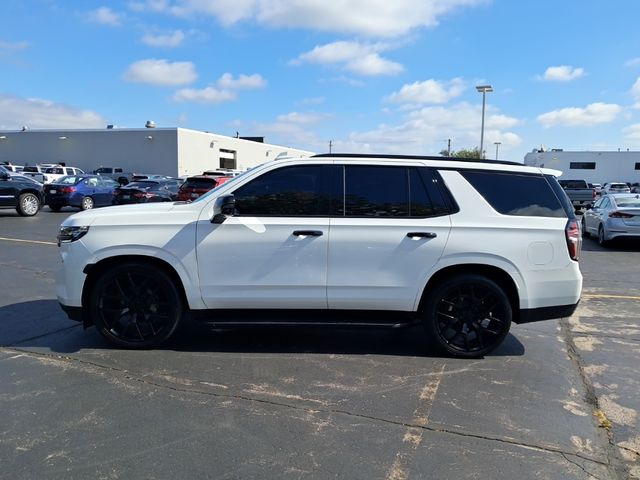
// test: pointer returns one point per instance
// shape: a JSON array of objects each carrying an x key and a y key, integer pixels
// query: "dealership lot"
[{"x": 559, "y": 399}]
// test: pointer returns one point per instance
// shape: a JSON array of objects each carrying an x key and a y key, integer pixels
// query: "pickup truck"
[
  {"x": 115, "y": 173},
  {"x": 52, "y": 174},
  {"x": 578, "y": 192},
  {"x": 36, "y": 172}
]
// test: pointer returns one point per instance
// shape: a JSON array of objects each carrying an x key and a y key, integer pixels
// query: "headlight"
[{"x": 71, "y": 234}]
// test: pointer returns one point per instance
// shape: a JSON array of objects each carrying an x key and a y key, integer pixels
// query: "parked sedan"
[
  {"x": 615, "y": 187},
  {"x": 147, "y": 191},
  {"x": 82, "y": 191},
  {"x": 198, "y": 185},
  {"x": 613, "y": 216}
]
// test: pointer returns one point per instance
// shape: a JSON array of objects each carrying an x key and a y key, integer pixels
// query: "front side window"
[
  {"x": 288, "y": 191},
  {"x": 516, "y": 194}
]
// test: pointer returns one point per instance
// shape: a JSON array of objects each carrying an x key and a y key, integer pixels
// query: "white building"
[
  {"x": 165, "y": 151},
  {"x": 594, "y": 167}
]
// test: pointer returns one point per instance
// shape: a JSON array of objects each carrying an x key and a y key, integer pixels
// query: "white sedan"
[{"x": 613, "y": 216}]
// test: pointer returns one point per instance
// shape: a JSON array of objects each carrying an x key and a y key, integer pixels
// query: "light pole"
[
  {"x": 497, "y": 144},
  {"x": 484, "y": 89}
]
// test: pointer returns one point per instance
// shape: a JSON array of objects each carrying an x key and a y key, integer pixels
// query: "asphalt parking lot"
[{"x": 558, "y": 400}]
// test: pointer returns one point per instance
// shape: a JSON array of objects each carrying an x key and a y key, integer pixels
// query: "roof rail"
[{"x": 414, "y": 157}]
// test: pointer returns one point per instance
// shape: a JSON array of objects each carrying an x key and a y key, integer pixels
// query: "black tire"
[
  {"x": 55, "y": 208},
  {"x": 601, "y": 240},
  {"x": 87, "y": 203},
  {"x": 584, "y": 229},
  {"x": 28, "y": 205},
  {"x": 136, "y": 305},
  {"x": 467, "y": 316}
]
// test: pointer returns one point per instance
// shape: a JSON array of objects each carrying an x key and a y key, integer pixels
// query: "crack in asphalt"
[
  {"x": 580, "y": 467},
  {"x": 40, "y": 336},
  {"x": 617, "y": 467},
  {"x": 315, "y": 409}
]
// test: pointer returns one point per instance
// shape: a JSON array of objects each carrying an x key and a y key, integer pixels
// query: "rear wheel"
[
  {"x": 601, "y": 237},
  {"x": 87, "y": 203},
  {"x": 28, "y": 205},
  {"x": 468, "y": 316},
  {"x": 136, "y": 305}
]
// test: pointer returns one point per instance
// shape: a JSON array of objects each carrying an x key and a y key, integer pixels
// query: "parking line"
[
  {"x": 38, "y": 242},
  {"x": 622, "y": 297}
]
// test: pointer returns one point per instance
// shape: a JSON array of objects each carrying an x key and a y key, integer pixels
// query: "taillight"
[
  {"x": 67, "y": 189},
  {"x": 574, "y": 238},
  {"x": 620, "y": 215}
]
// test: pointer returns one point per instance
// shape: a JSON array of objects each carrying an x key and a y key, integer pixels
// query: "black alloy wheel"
[
  {"x": 136, "y": 305},
  {"x": 468, "y": 316}
]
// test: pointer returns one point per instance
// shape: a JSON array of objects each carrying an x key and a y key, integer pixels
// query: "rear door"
[{"x": 393, "y": 228}]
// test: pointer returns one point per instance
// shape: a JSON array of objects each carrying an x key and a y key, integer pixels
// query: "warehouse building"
[
  {"x": 594, "y": 167},
  {"x": 165, "y": 151}
]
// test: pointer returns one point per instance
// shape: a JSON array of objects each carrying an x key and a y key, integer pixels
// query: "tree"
[{"x": 467, "y": 153}]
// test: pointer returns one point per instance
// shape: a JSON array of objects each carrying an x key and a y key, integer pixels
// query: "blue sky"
[{"x": 368, "y": 75}]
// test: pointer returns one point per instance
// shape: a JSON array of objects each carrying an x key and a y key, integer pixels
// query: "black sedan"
[{"x": 144, "y": 191}]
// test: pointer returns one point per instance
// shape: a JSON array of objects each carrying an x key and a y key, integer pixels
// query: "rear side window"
[
  {"x": 573, "y": 184},
  {"x": 199, "y": 183},
  {"x": 518, "y": 195}
]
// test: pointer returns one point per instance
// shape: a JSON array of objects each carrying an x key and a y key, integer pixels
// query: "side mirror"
[{"x": 223, "y": 208}]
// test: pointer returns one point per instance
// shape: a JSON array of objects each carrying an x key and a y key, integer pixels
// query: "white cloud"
[
  {"x": 204, "y": 95},
  {"x": 223, "y": 91},
  {"x": 309, "y": 118},
  {"x": 168, "y": 41},
  {"x": 161, "y": 72},
  {"x": 312, "y": 100},
  {"x": 375, "y": 18},
  {"x": 428, "y": 91},
  {"x": 426, "y": 130},
  {"x": 10, "y": 47},
  {"x": 635, "y": 90},
  {"x": 633, "y": 62},
  {"x": 562, "y": 73},
  {"x": 37, "y": 113},
  {"x": 356, "y": 57},
  {"x": 592, "y": 114},
  {"x": 295, "y": 128},
  {"x": 243, "y": 82},
  {"x": 105, "y": 16},
  {"x": 632, "y": 133}
]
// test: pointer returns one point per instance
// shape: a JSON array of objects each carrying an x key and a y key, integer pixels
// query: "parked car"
[
  {"x": 635, "y": 187},
  {"x": 579, "y": 192},
  {"x": 80, "y": 191},
  {"x": 34, "y": 171},
  {"x": 51, "y": 174},
  {"x": 612, "y": 217},
  {"x": 198, "y": 185},
  {"x": 20, "y": 193},
  {"x": 463, "y": 247},
  {"x": 144, "y": 176},
  {"x": 145, "y": 191},
  {"x": 615, "y": 187},
  {"x": 597, "y": 187},
  {"x": 13, "y": 168},
  {"x": 118, "y": 174}
]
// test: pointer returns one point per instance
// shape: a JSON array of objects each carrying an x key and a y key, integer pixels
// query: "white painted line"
[{"x": 19, "y": 240}]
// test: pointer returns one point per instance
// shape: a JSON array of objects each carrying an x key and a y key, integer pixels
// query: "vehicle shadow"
[
  {"x": 590, "y": 244},
  {"x": 42, "y": 324}
]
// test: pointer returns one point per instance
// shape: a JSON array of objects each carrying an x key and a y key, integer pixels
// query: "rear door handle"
[
  {"x": 422, "y": 235},
  {"x": 307, "y": 233}
]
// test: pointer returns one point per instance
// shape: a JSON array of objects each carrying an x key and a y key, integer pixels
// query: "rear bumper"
[{"x": 529, "y": 315}]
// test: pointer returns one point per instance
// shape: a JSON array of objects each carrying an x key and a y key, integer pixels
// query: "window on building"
[
  {"x": 582, "y": 165},
  {"x": 227, "y": 158},
  {"x": 637, "y": 165}
]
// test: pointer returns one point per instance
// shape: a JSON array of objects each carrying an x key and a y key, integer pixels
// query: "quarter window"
[{"x": 519, "y": 195}]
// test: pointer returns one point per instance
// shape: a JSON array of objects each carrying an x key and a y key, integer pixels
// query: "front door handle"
[
  {"x": 422, "y": 235},
  {"x": 307, "y": 233}
]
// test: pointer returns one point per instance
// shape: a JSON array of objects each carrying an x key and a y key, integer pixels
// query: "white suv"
[{"x": 465, "y": 247}]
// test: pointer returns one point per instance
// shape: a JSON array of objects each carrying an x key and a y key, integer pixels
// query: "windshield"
[
  {"x": 633, "y": 202},
  {"x": 142, "y": 185}
]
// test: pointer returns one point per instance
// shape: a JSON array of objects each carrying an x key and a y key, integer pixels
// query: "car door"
[
  {"x": 394, "y": 228},
  {"x": 591, "y": 217},
  {"x": 273, "y": 252},
  {"x": 8, "y": 192}
]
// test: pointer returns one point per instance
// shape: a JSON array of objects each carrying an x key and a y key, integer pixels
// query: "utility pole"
[
  {"x": 330, "y": 145},
  {"x": 497, "y": 144},
  {"x": 448, "y": 147}
]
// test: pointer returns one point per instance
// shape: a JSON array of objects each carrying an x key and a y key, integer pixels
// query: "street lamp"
[
  {"x": 497, "y": 144},
  {"x": 484, "y": 89}
]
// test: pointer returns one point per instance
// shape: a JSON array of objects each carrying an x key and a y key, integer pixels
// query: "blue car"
[{"x": 81, "y": 191}]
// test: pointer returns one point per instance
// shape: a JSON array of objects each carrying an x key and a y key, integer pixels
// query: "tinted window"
[
  {"x": 573, "y": 184},
  {"x": 289, "y": 191},
  {"x": 582, "y": 165},
  {"x": 513, "y": 194},
  {"x": 376, "y": 191},
  {"x": 199, "y": 183}
]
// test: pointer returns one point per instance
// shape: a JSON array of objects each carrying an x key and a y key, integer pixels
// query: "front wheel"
[
  {"x": 584, "y": 228},
  {"x": 468, "y": 316},
  {"x": 136, "y": 305},
  {"x": 28, "y": 205},
  {"x": 602, "y": 240}
]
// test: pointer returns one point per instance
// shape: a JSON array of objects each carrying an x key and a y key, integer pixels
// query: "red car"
[{"x": 198, "y": 185}]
